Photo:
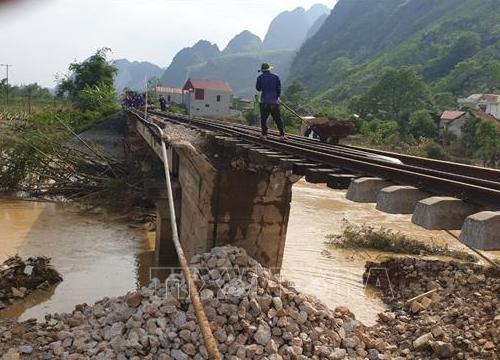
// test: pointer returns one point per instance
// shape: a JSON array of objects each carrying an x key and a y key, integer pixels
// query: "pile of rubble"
[
  {"x": 252, "y": 314},
  {"x": 440, "y": 309},
  {"x": 20, "y": 278}
]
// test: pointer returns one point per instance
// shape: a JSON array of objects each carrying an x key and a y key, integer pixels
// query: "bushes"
[
  {"x": 422, "y": 125},
  {"x": 434, "y": 151},
  {"x": 381, "y": 132}
]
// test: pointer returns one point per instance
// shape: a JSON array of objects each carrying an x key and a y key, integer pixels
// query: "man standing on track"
[{"x": 270, "y": 86}]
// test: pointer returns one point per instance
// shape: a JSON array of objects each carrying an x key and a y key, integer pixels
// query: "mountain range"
[
  {"x": 453, "y": 44},
  {"x": 238, "y": 62},
  {"x": 133, "y": 75}
]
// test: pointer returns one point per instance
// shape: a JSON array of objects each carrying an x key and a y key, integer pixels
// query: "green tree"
[
  {"x": 100, "y": 98},
  {"x": 470, "y": 142},
  {"x": 96, "y": 71},
  {"x": 381, "y": 132},
  {"x": 422, "y": 125},
  {"x": 295, "y": 95},
  {"x": 399, "y": 93},
  {"x": 153, "y": 83},
  {"x": 495, "y": 72},
  {"x": 434, "y": 151},
  {"x": 489, "y": 143}
]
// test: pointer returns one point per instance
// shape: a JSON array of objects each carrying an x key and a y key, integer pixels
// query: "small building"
[
  {"x": 489, "y": 103},
  {"x": 453, "y": 122},
  {"x": 209, "y": 98},
  {"x": 172, "y": 94}
]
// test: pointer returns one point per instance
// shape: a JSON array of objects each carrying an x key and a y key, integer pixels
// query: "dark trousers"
[{"x": 274, "y": 111}]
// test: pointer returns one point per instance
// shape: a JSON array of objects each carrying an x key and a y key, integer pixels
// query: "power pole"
[{"x": 7, "y": 66}]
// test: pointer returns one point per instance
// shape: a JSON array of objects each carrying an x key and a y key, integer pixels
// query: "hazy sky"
[{"x": 41, "y": 37}]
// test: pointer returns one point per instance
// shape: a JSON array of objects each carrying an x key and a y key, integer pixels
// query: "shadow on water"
[{"x": 96, "y": 257}]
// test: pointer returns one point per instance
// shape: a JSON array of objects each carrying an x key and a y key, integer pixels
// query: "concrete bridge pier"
[
  {"x": 366, "y": 189},
  {"x": 223, "y": 196},
  {"x": 165, "y": 254},
  {"x": 482, "y": 230},
  {"x": 442, "y": 213}
]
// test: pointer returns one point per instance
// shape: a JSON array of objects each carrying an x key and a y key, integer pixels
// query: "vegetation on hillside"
[
  {"x": 453, "y": 44},
  {"x": 393, "y": 78}
]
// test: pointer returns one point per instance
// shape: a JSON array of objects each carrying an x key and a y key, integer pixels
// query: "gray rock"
[
  {"x": 26, "y": 349},
  {"x": 338, "y": 354},
  {"x": 263, "y": 334},
  {"x": 423, "y": 341}
]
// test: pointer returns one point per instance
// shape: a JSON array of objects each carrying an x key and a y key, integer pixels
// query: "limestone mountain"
[
  {"x": 238, "y": 62},
  {"x": 132, "y": 74},
  {"x": 316, "y": 11},
  {"x": 244, "y": 42},
  {"x": 316, "y": 26},
  {"x": 452, "y": 42},
  {"x": 289, "y": 29},
  {"x": 240, "y": 69},
  {"x": 176, "y": 74}
]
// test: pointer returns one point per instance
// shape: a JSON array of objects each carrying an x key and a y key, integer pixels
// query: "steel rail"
[
  {"x": 430, "y": 180},
  {"x": 362, "y": 156},
  {"x": 477, "y": 172}
]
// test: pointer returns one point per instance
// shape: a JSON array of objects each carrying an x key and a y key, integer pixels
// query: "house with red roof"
[
  {"x": 210, "y": 98},
  {"x": 453, "y": 121}
]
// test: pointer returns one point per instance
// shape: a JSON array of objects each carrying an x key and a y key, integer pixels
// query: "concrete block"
[
  {"x": 340, "y": 181},
  {"x": 399, "y": 199},
  {"x": 366, "y": 189},
  {"x": 442, "y": 213},
  {"x": 482, "y": 231}
]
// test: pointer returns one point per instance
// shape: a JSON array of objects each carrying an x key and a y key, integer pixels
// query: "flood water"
[
  {"x": 335, "y": 276},
  {"x": 99, "y": 258},
  {"x": 96, "y": 258}
]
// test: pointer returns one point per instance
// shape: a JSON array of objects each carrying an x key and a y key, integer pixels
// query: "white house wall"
[
  {"x": 209, "y": 107},
  {"x": 175, "y": 97},
  {"x": 494, "y": 109}
]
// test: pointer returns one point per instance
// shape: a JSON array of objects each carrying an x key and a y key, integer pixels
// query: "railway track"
[{"x": 473, "y": 184}]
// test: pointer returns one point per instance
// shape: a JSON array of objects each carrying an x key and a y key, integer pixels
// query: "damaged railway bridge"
[{"x": 232, "y": 187}]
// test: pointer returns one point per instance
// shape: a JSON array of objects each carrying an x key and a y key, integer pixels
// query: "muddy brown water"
[{"x": 100, "y": 258}]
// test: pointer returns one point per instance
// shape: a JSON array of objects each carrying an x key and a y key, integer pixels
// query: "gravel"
[
  {"x": 254, "y": 314},
  {"x": 460, "y": 320}
]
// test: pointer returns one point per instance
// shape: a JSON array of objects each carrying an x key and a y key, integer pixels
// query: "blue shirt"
[{"x": 270, "y": 85}]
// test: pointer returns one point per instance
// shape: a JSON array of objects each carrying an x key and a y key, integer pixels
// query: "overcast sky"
[{"x": 41, "y": 37}]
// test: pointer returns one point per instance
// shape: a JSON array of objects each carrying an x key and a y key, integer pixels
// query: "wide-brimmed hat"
[{"x": 265, "y": 67}]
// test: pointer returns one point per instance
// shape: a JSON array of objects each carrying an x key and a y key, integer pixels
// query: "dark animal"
[{"x": 330, "y": 131}]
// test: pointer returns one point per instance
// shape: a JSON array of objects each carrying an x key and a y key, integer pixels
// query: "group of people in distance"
[{"x": 132, "y": 99}]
